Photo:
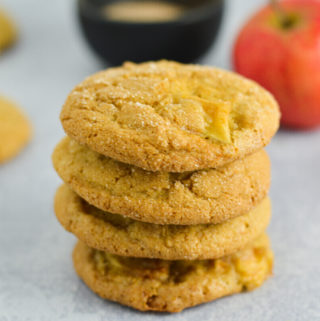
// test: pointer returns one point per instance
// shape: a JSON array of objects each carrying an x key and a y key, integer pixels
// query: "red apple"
[{"x": 280, "y": 49}]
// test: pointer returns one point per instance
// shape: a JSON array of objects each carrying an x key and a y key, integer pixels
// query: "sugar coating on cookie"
[
  {"x": 166, "y": 116},
  {"x": 158, "y": 285},
  {"x": 123, "y": 236},
  {"x": 15, "y": 130},
  {"x": 200, "y": 197},
  {"x": 8, "y": 32}
]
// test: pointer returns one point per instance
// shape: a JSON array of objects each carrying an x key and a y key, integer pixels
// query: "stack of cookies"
[{"x": 166, "y": 183}]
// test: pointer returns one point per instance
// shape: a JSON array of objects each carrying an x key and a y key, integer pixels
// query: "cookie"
[
  {"x": 15, "y": 130},
  {"x": 123, "y": 236},
  {"x": 201, "y": 197},
  {"x": 8, "y": 32},
  {"x": 159, "y": 285},
  {"x": 166, "y": 116}
]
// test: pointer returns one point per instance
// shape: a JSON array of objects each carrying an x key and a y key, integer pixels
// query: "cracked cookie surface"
[
  {"x": 205, "y": 196},
  {"x": 166, "y": 116},
  {"x": 15, "y": 130},
  {"x": 123, "y": 236},
  {"x": 159, "y": 285}
]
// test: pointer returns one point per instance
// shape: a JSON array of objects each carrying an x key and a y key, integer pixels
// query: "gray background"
[{"x": 37, "y": 281}]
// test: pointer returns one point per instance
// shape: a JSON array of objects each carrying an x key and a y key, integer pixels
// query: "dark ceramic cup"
[{"x": 184, "y": 39}]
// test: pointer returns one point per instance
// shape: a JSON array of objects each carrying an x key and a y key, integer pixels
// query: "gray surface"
[{"x": 37, "y": 281}]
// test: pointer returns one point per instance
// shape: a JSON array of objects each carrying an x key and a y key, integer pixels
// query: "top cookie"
[{"x": 166, "y": 116}]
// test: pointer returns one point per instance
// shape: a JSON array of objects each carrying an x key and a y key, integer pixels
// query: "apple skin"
[{"x": 286, "y": 61}]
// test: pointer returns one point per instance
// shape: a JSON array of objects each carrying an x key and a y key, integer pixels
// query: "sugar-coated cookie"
[
  {"x": 167, "y": 116},
  {"x": 15, "y": 130},
  {"x": 8, "y": 32},
  {"x": 200, "y": 197},
  {"x": 123, "y": 236},
  {"x": 158, "y": 285}
]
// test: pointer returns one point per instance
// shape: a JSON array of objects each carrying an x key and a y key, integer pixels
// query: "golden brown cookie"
[
  {"x": 15, "y": 130},
  {"x": 123, "y": 236},
  {"x": 158, "y": 285},
  {"x": 8, "y": 32},
  {"x": 166, "y": 116},
  {"x": 205, "y": 196}
]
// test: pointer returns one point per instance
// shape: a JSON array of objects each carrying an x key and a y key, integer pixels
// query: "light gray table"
[{"x": 37, "y": 281}]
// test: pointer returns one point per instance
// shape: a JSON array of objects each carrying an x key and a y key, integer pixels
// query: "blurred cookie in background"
[
  {"x": 15, "y": 130},
  {"x": 8, "y": 31}
]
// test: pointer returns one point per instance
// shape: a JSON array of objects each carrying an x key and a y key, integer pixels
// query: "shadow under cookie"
[
  {"x": 148, "y": 284},
  {"x": 123, "y": 236},
  {"x": 200, "y": 197}
]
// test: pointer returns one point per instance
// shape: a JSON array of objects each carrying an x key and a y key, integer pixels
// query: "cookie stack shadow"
[{"x": 165, "y": 237}]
